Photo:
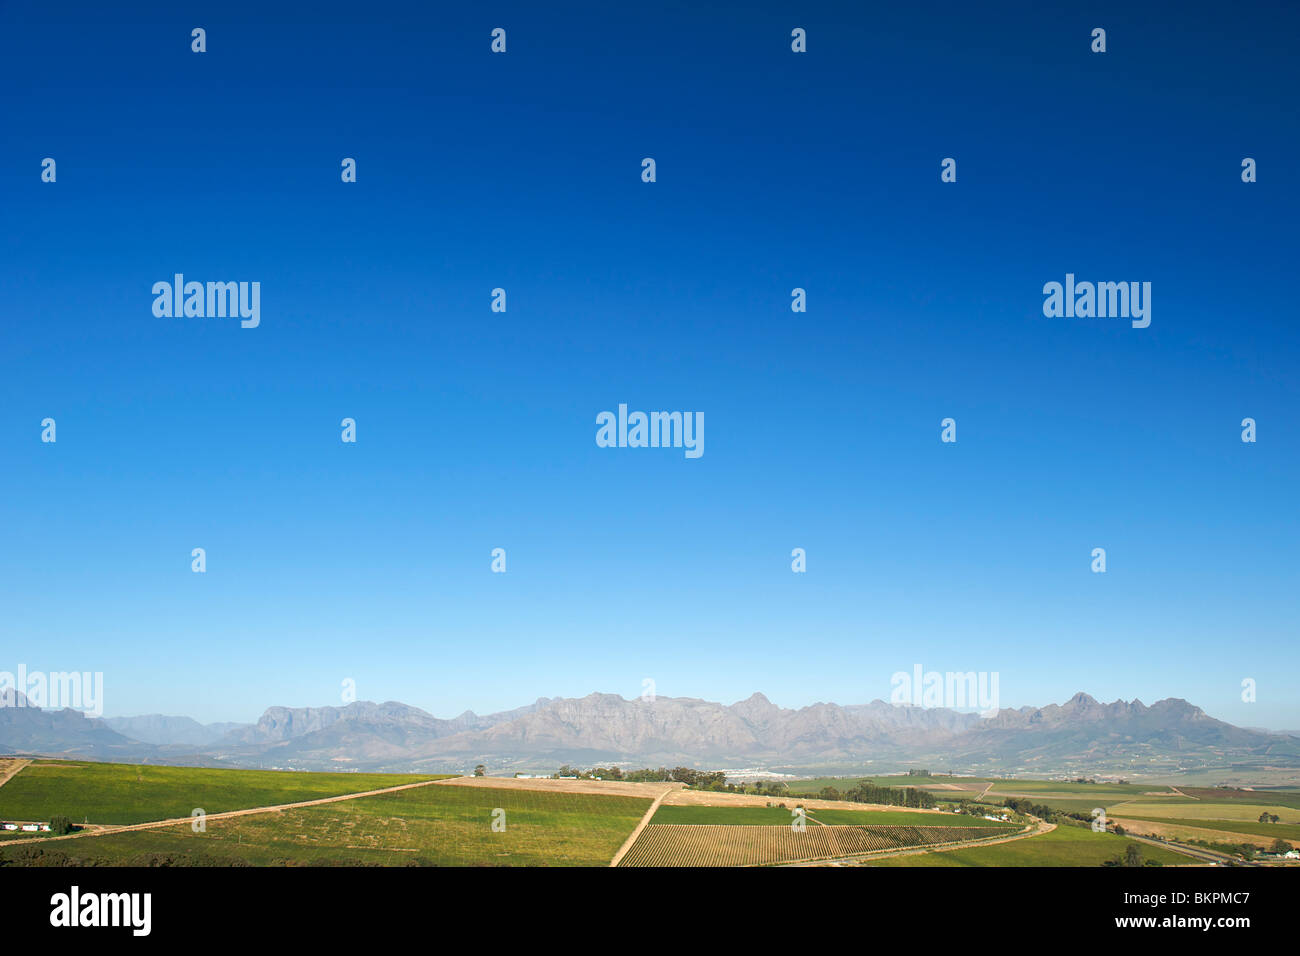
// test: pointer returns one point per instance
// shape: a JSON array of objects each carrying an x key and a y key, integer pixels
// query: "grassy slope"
[
  {"x": 442, "y": 825},
  {"x": 126, "y": 793}
]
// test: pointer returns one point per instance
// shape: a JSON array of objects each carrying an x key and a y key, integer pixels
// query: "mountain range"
[{"x": 1081, "y": 735}]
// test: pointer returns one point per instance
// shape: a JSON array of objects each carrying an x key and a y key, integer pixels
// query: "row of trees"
[
  {"x": 1132, "y": 857},
  {"x": 702, "y": 779},
  {"x": 868, "y": 792},
  {"x": 1040, "y": 810}
]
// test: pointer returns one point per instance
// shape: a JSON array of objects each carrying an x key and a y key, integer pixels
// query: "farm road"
[
  {"x": 636, "y": 832},
  {"x": 12, "y": 770}
]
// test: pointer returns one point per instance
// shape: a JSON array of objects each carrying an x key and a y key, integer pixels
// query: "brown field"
[
  {"x": 616, "y": 788},
  {"x": 1179, "y": 831},
  {"x": 707, "y": 798},
  {"x": 663, "y": 844}
]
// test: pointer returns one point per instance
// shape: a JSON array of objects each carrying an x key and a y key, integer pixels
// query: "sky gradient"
[{"x": 476, "y": 429}]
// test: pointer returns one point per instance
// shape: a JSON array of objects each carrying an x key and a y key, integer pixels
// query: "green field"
[
  {"x": 445, "y": 825},
  {"x": 731, "y": 816},
  {"x": 1064, "y": 846},
  {"x": 1205, "y": 812},
  {"x": 128, "y": 793},
  {"x": 1259, "y": 798},
  {"x": 1061, "y": 788}
]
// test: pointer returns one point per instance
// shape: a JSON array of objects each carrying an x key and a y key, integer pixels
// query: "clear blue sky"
[{"x": 476, "y": 430}]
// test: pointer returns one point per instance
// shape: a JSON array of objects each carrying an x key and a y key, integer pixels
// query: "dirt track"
[
  {"x": 11, "y": 770},
  {"x": 636, "y": 831},
  {"x": 1195, "y": 852}
]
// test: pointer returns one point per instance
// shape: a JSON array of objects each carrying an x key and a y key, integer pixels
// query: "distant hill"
[
  {"x": 358, "y": 734},
  {"x": 1080, "y": 735},
  {"x": 26, "y": 729},
  {"x": 164, "y": 730}
]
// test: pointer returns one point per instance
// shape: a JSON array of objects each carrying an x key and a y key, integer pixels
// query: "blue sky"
[{"x": 476, "y": 429}]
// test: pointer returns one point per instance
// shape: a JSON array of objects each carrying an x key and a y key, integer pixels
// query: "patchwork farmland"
[
  {"x": 1234, "y": 823},
  {"x": 667, "y": 844},
  {"x": 141, "y": 816},
  {"x": 1058, "y": 846}
]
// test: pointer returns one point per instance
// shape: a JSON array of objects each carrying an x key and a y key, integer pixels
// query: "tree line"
[
  {"x": 716, "y": 780},
  {"x": 868, "y": 792}
]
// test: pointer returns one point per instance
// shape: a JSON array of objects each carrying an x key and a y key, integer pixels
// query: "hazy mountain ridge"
[
  {"x": 26, "y": 729},
  {"x": 163, "y": 729},
  {"x": 756, "y": 732},
  {"x": 606, "y": 728}
]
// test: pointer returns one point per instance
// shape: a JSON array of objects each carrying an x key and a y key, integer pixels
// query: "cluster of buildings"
[{"x": 25, "y": 827}]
